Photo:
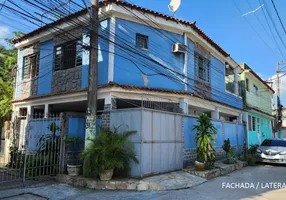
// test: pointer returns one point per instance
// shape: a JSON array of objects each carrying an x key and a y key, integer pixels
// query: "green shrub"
[
  {"x": 205, "y": 138},
  {"x": 108, "y": 150},
  {"x": 249, "y": 154},
  {"x": 229, "y": 152}
]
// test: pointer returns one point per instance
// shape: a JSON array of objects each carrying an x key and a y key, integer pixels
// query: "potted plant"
[
  {"x": 205, "y": 138},
  {"x": 107, "y": 152},
  {"x": 229, "y": 152},
  {"x": 74, "y": 168}
]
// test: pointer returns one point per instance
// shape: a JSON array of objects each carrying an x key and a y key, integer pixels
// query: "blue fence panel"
[
  {"x": 76, "y": 128},
  {"x": 230, "y": 132},
  {"x": 189, "y": 134},
  {"x": 241, "y": 134},
  {"x": 98, "y": 124},
  {"x": 219, "y": 139},
  {"x": 39, "y": 128}
]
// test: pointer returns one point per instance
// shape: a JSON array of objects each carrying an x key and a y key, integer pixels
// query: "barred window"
[
  {"x": 255, "y": 90},
  {"x": 68, "y": 55},
  {"x": 141, "y": 41},
  {"x": 253, "y": 123},
  {"x": 31, "y": 66},
  {"x": 202, "y": 67}
]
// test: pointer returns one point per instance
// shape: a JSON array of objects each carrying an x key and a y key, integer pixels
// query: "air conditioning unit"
[{"x": 179, "y": 48}]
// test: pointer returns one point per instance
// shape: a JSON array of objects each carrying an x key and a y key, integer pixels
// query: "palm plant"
[
  {"x": 107, "y": 151},
  {"x": 205, "y": 138}
]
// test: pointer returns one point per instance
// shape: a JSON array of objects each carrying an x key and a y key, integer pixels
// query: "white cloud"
[
  {"x": 4, "y": 32},
  {"x": 282, "y": 87}
]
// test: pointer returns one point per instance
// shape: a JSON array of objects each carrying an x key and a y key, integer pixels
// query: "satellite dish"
[{"x": 174, "y": 5}]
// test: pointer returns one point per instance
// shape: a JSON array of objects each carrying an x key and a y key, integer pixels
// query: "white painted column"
[
  {"x": 240, "y": 118},
  {"x": 46, "y": 112},
  {"x": 184, "y": 105},
  {"x": 215, "y": 114},
  {"x": 236, "y": 88},
  {"x": 107, "y": 101},
  {"x": 111, "y": 50},
  {"x": 29, "y": 110}
]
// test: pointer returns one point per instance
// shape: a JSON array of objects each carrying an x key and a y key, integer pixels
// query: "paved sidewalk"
[{"x": 173, "y": 181}]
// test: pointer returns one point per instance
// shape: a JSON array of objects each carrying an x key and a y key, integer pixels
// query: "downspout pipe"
[{"x": 185, "y": 71}]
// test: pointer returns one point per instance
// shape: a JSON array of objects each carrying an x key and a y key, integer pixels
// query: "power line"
[
  {"x": 273, "y": 39},
  {"x": 273, "y": 23},
  {"x": 278, "y": 16},
  {"x": 253, "y": 28},
  {"x": 3, "y": 5}
]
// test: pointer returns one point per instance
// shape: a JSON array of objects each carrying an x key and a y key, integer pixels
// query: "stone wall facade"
[
  {"x": 29, "y": 87},
  {"x": 66, "y": 80},
  {"x": 190, "y": 155}
]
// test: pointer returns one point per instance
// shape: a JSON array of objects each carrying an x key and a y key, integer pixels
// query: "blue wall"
[
  {"x": 229, "y": 131},
  {"x": 103, "y": 49},
  {"x": 241, "y": 135},
  {"x": 218, "y": 85},
  {"x": 126, "y": 72},
  {"x": 76, "y": 128},
  {"x": 189, "y": 134},
  {"x": 46, "y": 67},
  {"x": 160, "y": 47},
  {"x": 19, "y": 74}
]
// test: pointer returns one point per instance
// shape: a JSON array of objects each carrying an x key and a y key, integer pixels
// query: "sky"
[{"x": 246, "y": 38}]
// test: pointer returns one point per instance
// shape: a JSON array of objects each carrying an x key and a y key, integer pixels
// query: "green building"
[{"x": 257, "y": 97}]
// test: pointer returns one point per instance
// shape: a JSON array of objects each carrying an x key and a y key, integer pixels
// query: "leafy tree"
[{"x": 8, "y": 61}]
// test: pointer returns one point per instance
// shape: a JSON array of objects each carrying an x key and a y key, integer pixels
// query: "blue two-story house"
[{"x": 145, "y": 58}]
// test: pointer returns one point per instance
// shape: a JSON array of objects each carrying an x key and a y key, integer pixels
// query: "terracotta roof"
[
  {"x": 129, "y": 5},
  {"x": 246, "y": 67},
  {"x": 125, "y": 87},
  {"x": 47, "y": 95}
]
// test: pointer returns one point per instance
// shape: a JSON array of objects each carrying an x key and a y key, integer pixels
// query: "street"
[{"x": 265, "y": 179}]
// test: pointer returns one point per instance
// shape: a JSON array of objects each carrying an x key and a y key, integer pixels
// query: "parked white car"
[{"x": 272, "y": 151}]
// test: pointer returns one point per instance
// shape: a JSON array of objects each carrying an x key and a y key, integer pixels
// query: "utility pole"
[
  {"x": 92, "y": 75},
  {"x": 279, "y": 106}
]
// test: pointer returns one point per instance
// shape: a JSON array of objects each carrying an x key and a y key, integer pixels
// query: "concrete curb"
[{"x": 219, "y": 170}]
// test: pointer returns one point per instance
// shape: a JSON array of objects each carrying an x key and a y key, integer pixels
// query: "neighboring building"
[
  {"x": 258, "y": 97},
  {"x": 146, "y": 59}
]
